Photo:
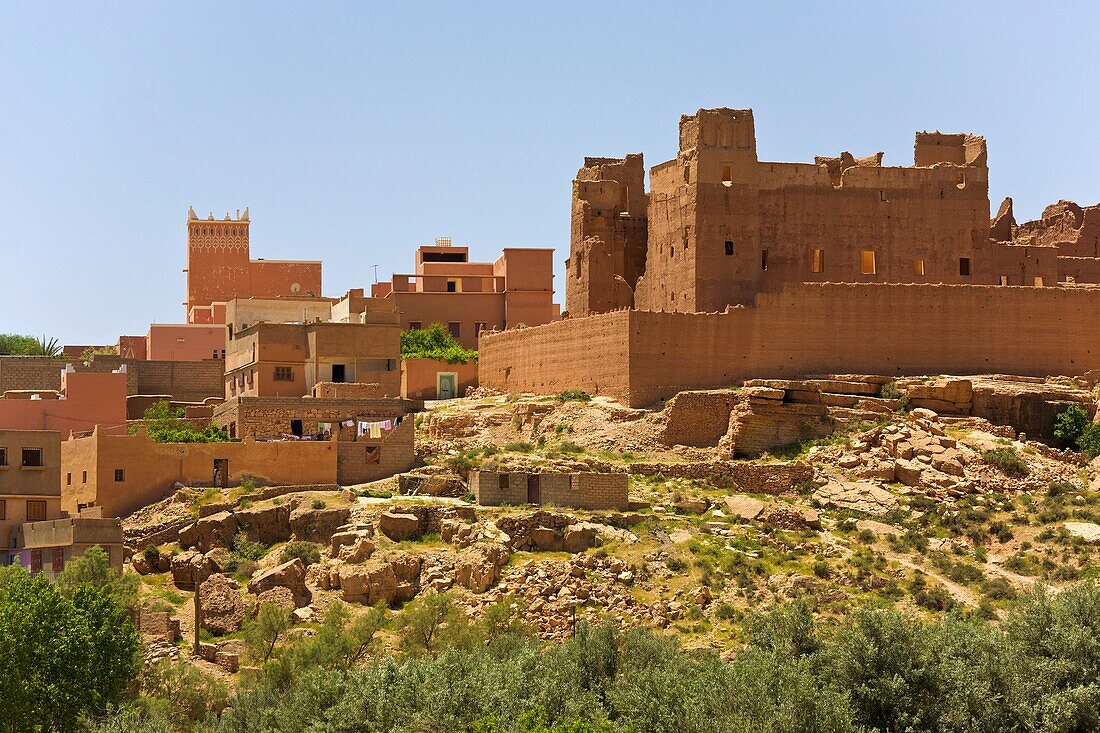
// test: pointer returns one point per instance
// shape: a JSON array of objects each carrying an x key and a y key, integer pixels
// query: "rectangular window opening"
[
  {"x": 817, "y": 261},
  {"x": 964, "y": 266},
  {"x": 1038, "y": 282},
  {"x": 867, "y": 262},
  {"x": 455, "y": 329},
  {"x": 284, "y": 374},
  {"x": 36, "y": 510},
  {"x": 729, "y": 247},
  {"x": 1004, "y": 279},
  {"x": 120, "y": 474},
  {"x": 415, "y": 325},
  {"x": 918, "y": 268},
  {"x": 763, "y": 259},
  {"x": 727, "y": 175},
  {"x": 32, "y": 457}
]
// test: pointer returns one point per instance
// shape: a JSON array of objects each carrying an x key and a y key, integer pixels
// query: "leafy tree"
[
  {"x": 61, "y": 658},
  {"x": 263, "y": 633},
  {"x": 94, "y": 568},
  {"x": 1089, "y": 440},
  {"x": 1069, "y": 424},
  {"x": 165, "y": 424},
  {"x": 434, "y": 342},
  {"x": 15, "y": 345},
  {"x": 180, "y": 691},
  {"x": 432, "y": 622}
]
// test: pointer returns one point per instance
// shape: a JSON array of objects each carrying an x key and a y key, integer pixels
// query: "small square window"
[
  {"x": 817, "y": 261},
  {"x": 452, "y": 286},
  {"x": 455, "y": 329},
  {"x": 1038, "y": 282},
  {"x": 32, "y": 457},
  {"x": 284, "y": 374},
  {"x": 964, "y": 266},
  {"x": 1004, "y": 279},
  {"x": 36, "y": 510},
  {"x": 729, "y": 247},
  {"x": 68, "y": 479},
  {"x": 120, "y": 474},
  {"x": 415, "y": 326},
  {"x": 3, "y": 456}
]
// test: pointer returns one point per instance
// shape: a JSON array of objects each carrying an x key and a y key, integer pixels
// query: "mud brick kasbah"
[{"x": 730, "y": 267}]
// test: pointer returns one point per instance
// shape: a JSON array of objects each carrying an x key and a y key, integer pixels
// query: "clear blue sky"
[{"x": 357, "y": 131}]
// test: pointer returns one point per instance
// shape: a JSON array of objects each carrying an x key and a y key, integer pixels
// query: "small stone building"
[{"x": 575, "y": 490}]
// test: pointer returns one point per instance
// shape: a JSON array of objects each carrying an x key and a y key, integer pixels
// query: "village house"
[
  {"x": 33, "y": 528},
  {"x": 288, "y": 359},
  {"x": 471, "y": 297},
  {"x": 84, "y": 400},
  {"x": 582, "y": 490}
]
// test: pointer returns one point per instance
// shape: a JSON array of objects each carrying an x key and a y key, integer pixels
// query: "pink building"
[{"x": 86, "y": 399}]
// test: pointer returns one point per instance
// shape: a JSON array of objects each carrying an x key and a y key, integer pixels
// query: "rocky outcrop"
[
  {"x": 290, "y": 575},
  {"x": 478, "y": 567},
  {"x": 216, "y": 530},
  {"x": 398, "y": 526},
  {"x": 190, "y": 568},
  {"x": 266, "y": 526},
  {"x": 859, "y": 496},
  {"x": 223, "y": 607},
  {"x": 370, "y": 583},
  {"x": 317, "y": 525}
]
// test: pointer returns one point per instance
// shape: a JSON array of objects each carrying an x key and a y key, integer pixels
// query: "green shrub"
[
  {"x": 1089, "y": 442},
  {"x": 165, "y": 424},
  {"x": 890, "y": 391},
  {"x": 1070, "y": 424},
  {"x": 573, "y": 395},
  {"x": 1008, "y": 460},
  {"x": 434, "y": 342},
  {"x": 308, "y": 552}
]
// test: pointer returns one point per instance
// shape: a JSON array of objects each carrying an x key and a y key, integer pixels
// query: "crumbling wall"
[
  {"x": 608, "y": 235},
  {"x": 699, "y": 418},
  {"x": 640, "y": 357}
]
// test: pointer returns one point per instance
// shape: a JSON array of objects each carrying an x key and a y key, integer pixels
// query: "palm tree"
[{"x": 51, "y": 348}]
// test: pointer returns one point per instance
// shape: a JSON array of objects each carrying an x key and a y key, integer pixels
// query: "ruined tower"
[{"x": 608, "y": 235}]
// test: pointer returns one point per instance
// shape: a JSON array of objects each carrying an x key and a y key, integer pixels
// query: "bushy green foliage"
[
  {"x": 573, "y": 395},
  {"x": 93, "y": 568},
  {"x": 93, "y": 351},
  {"x": 14, "y": 344},
  {"x": 63, "y": 656},
  {"x": 1089, "y": 441},
  {"x": 308, "y": 552},
  {"x": 877, "y": 670},
  {"x": 1008, "y": 460},
  {"x": 434, "y": 342},
  {"x": 165, "y": 424},
  {"x": 1069, "y": 424}
]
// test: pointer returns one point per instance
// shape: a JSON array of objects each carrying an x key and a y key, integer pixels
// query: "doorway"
[
  {"x": 221, "y": 472},
  {"x": 446, "y": 385},
  {"x": 339, "y": 373},
  {"x": 534, "y": 489},
  {"x": 296, "y": 428}
]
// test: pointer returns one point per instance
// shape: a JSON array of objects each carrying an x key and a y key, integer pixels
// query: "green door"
[{"x": 445, "y": 385}]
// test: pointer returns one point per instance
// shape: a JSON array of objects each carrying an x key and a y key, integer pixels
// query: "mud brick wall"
[
  {"x": 699, "y": 418},
  {"x": 640, "y": 357},
  {"x": 753, "y": 478},
  {"x": 395, "y": 455}
]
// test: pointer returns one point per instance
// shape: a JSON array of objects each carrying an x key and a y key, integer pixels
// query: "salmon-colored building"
[
  {"x": 471, "y": 297},
  {"x": 289, "y": 359},
  {"x": 86, "y": 399},
  {"x": 219, "y": 269}
]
